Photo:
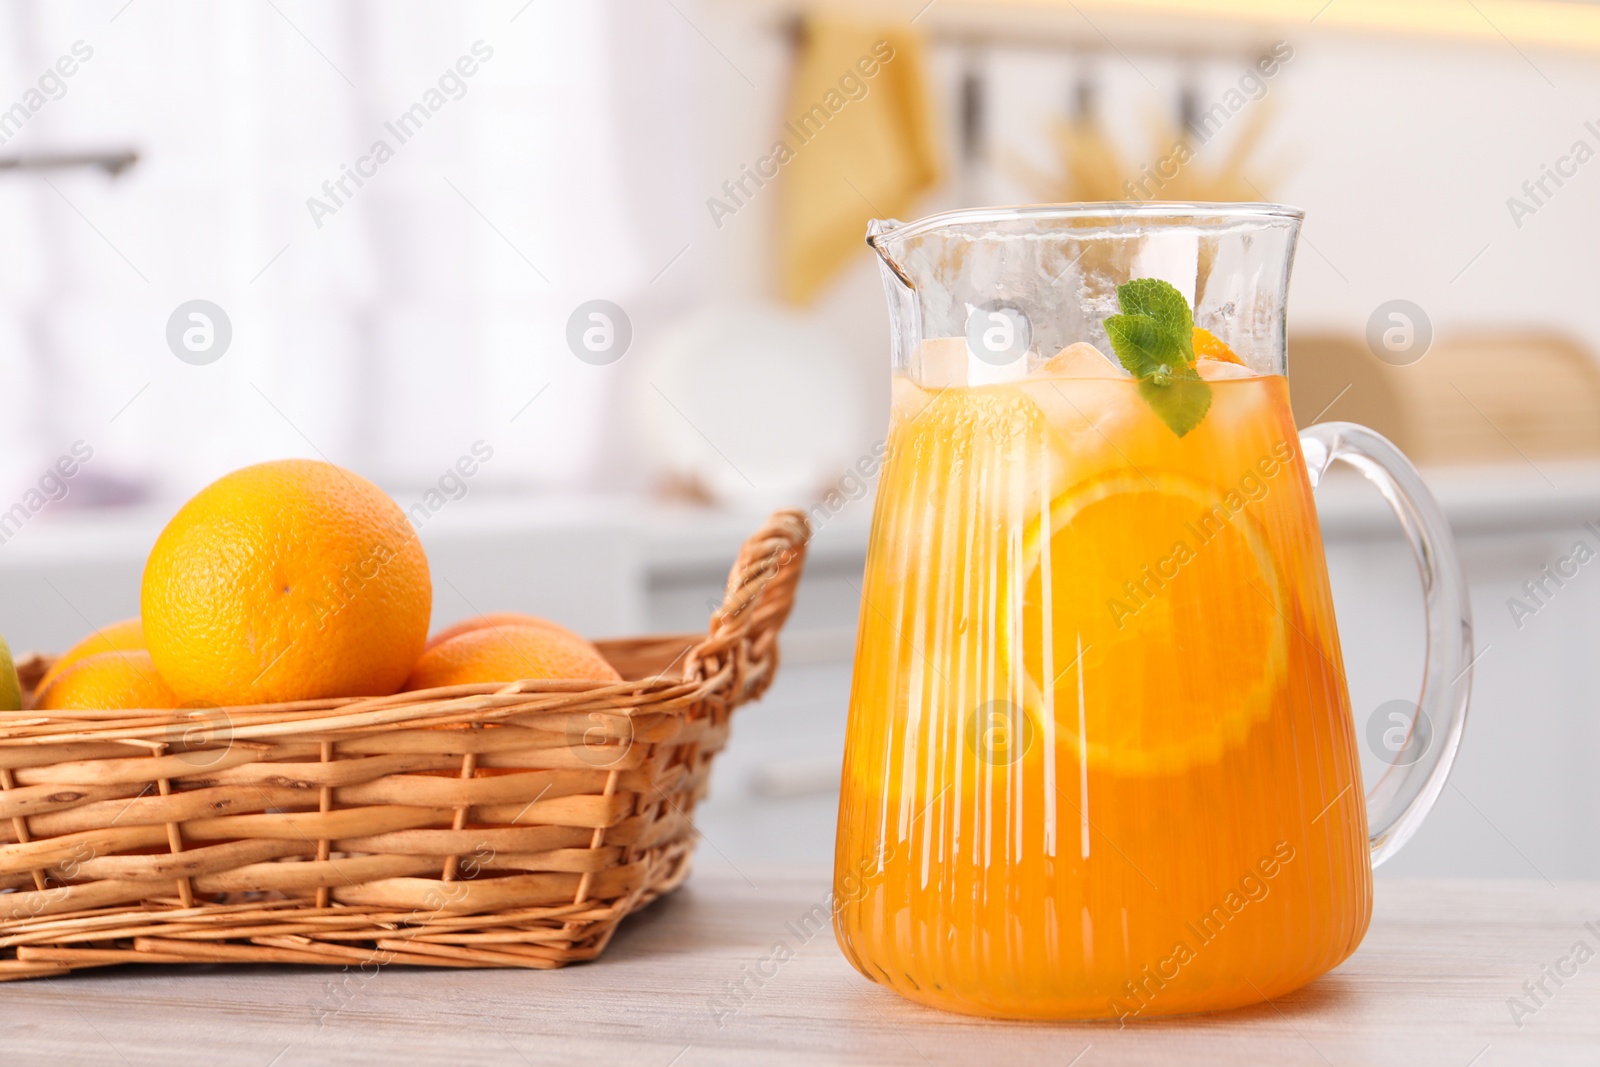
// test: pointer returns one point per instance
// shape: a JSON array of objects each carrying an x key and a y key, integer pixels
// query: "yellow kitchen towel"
[{"x": 857, "y": 143}]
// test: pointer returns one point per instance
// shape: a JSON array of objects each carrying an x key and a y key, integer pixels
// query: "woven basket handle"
[{"x": 744, "y": 630}]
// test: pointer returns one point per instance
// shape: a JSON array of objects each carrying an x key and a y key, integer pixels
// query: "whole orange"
[
  {"x": 492, "y": 620},
  {"x": 118, "y": 679},
  {"x": 288, "y": 580},
  {"x": 126, "y": 635},
  {"x": 509, "y": 654}
]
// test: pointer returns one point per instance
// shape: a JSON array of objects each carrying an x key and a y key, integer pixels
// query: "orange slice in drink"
[
  {"x": 1208, "y": 345},
  {"x": 1152, "y": 632}
]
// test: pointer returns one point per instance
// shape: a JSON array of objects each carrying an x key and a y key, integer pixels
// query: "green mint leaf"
[
  {"x": 1181, "y": 403},
  {"x": 1158, "y": 300},
  {"x": 1154, "y": 339},
  {"x": 1140, "y": 343}
]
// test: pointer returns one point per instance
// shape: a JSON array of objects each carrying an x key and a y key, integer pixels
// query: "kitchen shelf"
[{"x": 1213, "y": 26}]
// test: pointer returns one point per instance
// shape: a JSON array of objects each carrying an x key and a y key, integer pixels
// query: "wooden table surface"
[{"x": 1432, "y": 984}]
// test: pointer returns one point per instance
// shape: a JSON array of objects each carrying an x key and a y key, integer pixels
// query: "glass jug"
[{"x": 1100, "y": 760}]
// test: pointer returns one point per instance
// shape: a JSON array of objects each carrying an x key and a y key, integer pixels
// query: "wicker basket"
[{"x": 472, "y": 826}]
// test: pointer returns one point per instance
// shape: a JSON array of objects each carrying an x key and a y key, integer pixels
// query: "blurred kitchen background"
[{"x": 564, "y": 233}]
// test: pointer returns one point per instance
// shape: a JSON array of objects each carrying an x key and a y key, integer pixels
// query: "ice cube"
[
  {"x": 1081, "y": 360},
  {"x": 1090, "y": 420},
  {"x": 942, "y": 362},
  {"x": 1214, "y": 370}
]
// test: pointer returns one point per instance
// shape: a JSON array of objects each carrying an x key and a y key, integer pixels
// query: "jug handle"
[{"x": 1406, "y": 791}]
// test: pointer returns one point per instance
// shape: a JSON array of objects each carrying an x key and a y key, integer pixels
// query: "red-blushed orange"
[
  {"x": 495, "y": 619},
  {"x": 509, "y": 654}
]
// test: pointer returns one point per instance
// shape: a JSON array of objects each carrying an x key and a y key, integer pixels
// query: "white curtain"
[{"x": 421, "y": 314}]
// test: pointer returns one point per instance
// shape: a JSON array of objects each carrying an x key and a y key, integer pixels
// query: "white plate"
[{"x": 754, "y": 402}]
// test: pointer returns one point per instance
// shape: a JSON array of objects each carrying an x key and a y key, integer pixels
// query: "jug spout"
[
  {"x": 905, "y": 335},
  {"x": 988, "y": 295},
  {"x": 880, "y": 233}
]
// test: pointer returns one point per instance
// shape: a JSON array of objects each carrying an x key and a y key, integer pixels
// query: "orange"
[
  {"x": 1139, "y": 564},
  {"x": 288, "y": 580},
  {"x": 509, "y": 654},
  {"x": 1208, "y": 345},
  {"x": 124, "y": 678},
  {"x": 126, "y": 635},
  {"x": 492, "y": 620}
]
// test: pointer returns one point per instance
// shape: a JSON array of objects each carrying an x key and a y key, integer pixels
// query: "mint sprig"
[{"x": 1154, "y": 339}]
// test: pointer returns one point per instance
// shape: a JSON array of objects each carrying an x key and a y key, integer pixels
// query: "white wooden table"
[{"x": 1430, "y": 985}]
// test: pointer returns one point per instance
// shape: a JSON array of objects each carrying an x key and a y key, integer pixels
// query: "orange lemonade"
[{"x": 1100, "y": 759}]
